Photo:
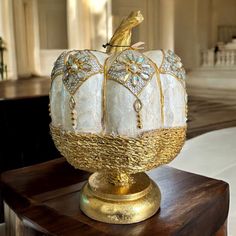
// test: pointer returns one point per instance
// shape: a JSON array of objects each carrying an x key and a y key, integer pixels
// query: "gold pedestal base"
[{"x": 109, "y": 203}]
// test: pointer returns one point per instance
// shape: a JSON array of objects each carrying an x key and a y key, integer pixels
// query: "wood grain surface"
[{"x": 46, "y": 198}]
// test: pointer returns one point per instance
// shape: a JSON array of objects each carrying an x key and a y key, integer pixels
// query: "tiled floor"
[{"x": 207, "y": 114}]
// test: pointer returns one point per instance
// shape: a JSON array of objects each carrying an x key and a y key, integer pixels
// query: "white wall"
[
  {"x": 196, "y": 23},
  {"x": 223, "y": 13}
]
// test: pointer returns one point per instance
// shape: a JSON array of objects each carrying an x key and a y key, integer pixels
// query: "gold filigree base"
[{"x": 109, "y": 203}]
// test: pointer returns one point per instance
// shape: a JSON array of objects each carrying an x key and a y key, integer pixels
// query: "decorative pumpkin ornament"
[{"x": 118, "y": 114}]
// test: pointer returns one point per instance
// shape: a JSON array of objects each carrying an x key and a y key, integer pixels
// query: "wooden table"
[{"x": 45, "y": 198}]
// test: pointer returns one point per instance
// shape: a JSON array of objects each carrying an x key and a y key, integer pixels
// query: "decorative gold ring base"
[{"x": 106, "y": 202}]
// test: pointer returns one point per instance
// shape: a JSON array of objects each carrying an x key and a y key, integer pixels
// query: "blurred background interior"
[{"x": 34, "y": 32}]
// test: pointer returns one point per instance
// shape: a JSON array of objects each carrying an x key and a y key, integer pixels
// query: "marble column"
[
  {"x": 27, "y": 37},
  {"x": 167, "y": 24},
  {"x": 7, "y": 33},
  {"x": 88, "y": 23}
]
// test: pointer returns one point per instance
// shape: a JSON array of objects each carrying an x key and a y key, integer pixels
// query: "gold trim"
[
  {"x": 159, "y": 85},
  {"x": 108, "y": 153},
  {"x": 163, "y": 58},
  {"x": 186, "y": 105},
  {"x": 86, "y": 77},
  {"x": 73, "y": 112},
  {"x": 90, "y": 52},
  {"x": 104, "y": 94},
  {"x": 56, "y": 64},
  {"x": 168, "y": 73},
  {"x": 162, "y": 71},
  {"x": 56, "y": 75},
  {"x": 146, "y": 82},
  {"x": 162, "y": 99},
  {"x": 67, "y": 54},
  {"x": 181, "y": 81}
]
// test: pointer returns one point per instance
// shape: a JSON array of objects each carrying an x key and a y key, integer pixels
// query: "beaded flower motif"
[
  {"x": 59, "y": 65},
  {"x": 133, "y": 70},
  {"x": 172, "y": 65},
  {"x": 78, "y": 67}
]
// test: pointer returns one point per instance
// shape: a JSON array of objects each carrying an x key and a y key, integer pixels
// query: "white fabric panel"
[
  {"x": 120, "y": 116},
  {"x": 65, "y": 109},
  {"x": 156, "y": 56},
  {"x": 174, "y": 94},
  {"x": 174, "y": 101},
  {"x": 55, "y": 101},
  {"x": 88, "y": 100},
  {"x": 151, "y": 111},
  {"x": 89, "y": 105}
]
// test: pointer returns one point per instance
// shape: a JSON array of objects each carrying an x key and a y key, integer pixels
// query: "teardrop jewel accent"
[
  {"x": 72, "y": 104},
  {"x": 138, "y": 107}
]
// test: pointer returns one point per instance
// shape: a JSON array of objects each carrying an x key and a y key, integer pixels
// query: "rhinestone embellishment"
[
  {"x": 78, "y": 67},
  {"x": 172, "y": 65},
  {"x": 133, "y": 70},
  {"x": 59, "y": 65}
]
